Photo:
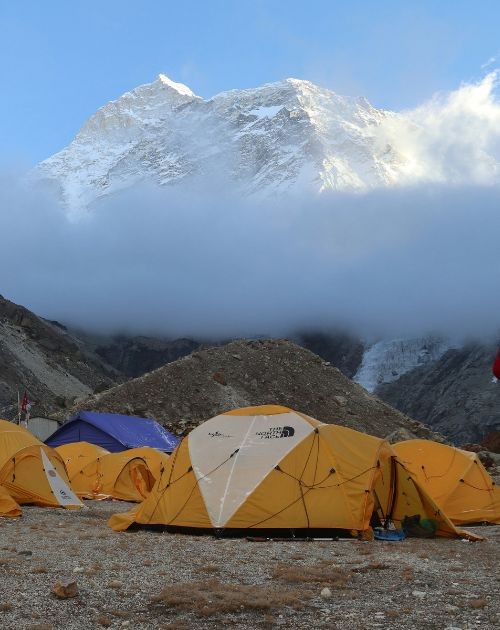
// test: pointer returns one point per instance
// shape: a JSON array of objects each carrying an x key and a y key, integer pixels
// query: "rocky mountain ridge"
[
  {"x": 45, "y": 360},
  {"x": 455, "y": 395},
  {"x": 212, "y": 380}
]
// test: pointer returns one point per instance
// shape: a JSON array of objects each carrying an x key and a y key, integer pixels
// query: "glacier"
[{"x": 387, "y": 359}]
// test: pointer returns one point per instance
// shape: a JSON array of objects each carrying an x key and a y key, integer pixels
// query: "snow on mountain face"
[
  {"x": 387, "y": 360},
  {"x": 268, "y": 139}
]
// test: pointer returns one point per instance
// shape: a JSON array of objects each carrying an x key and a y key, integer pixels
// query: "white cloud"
[{"x": 454, "y": 138}]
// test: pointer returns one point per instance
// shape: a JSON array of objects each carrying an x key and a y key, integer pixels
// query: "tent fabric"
[
  {"x": 274, "y": 468},
  {"x": 123, "y": 476},
  {"x": 455, "y": 479},
  {"x": 156, "y": 460},
  {"x": 76, "y": 455},
  {"x": 31, "y": 472},
  {"x": 114, "y": 432},
  {"x": 8, "y": 507}
]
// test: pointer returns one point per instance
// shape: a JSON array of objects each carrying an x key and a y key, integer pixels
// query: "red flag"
[
  {"x": 25, "y": 402},
  {"x": 496, "y": 365}
]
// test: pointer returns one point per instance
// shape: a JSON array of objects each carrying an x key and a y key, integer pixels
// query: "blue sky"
[{"x": 60, "y": 60}]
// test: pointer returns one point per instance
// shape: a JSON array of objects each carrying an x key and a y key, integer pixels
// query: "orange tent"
[
  {"x": 76, "y": 455},
  {"x": 120, "y": 475},
  {"x": 455, "y": 479},
  {"x": 32, "y": 472},
  {"x": 156, "y": 460},
  {"x": 269, "y": 467},
  {"x": 8, "y": 507}
]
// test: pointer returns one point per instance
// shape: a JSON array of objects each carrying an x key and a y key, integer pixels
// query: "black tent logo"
[
  {"x": 276, "y": 432},
  {"x": 218, "y": 434}
]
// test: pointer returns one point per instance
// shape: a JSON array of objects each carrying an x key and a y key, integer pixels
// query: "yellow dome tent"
[
  {"x": 120, "y": 475},
  {"x": 76, "y": 455},
  {"x": 31, "y": 472},
  {"x": 273, "y": 468},
  {"x": 455, "y": 479}
]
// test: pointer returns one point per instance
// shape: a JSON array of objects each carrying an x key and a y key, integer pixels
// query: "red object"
[
  {"x": 24, "y": 403},
  {"x": 496, "y": 365}
]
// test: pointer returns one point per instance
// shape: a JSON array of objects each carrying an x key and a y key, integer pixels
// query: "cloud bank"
[
  {"x": 452, "y": 139},
  {"x": 416, "y": 258}
]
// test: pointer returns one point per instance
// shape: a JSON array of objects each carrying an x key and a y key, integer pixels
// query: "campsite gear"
[
  {"x": 393, "y": 535},
  {"x": 113, "y": 432},
  {"x": 496, "y": 365},
  {"x": 416, "y": 527},
  {"x": 32, "y": 472},
  {"x": 114, "y": 476},
  {"x": 77, "y": 455},
  {"x": 455, "y": 479},
  {"x": 272, "y": 468}
]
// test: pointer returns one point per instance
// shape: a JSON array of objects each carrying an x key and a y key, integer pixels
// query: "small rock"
[
  {"x": 115, "y": 584},
  {"x": 419, "y": 593},
  {"x": 219, "y": 377},
  {"x": 451, "y": 608},
  {"x": 326, "y": 593},
  {"x": 126, "y": 623},
  {"x": 78, "y": 570},
  {"x": 65, "y": 590},
  {"x": 25, "y": 553}
]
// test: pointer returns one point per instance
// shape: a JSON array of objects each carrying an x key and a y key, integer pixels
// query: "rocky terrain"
[
  {"x": 44, "y": 359},
  {"x": 147, "y": 579},
  {"x": 454, "y": 395},
  {"x": 190, "y": 390},
  {"x": 135, "y": 355}
]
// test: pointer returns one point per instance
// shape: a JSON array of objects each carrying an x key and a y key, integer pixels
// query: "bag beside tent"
[
  {"x": 455, "y": 479},
  {"x": 272, "y": 468}
]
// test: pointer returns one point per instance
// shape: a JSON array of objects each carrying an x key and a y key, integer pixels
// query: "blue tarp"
[{"x": 113, "y": 432}]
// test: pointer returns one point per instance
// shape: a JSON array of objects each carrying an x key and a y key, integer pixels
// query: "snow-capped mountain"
[{"x": 268, "y": 139}]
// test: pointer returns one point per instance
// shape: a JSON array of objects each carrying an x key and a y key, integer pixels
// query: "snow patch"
[
  {"x": 178, "y": 87},
  {"x": 266, "y": 112}
]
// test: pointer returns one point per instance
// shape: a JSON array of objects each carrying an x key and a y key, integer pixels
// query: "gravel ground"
[{"x": 438, "y": 584}]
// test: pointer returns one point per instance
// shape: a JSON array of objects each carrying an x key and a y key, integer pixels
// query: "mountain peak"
[
  {"x": 178, "y": 87},
  {"x": 281, "y": 136}
]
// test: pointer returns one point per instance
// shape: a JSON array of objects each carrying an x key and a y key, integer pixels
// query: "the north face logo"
[{"x": 276, "y": 432}]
